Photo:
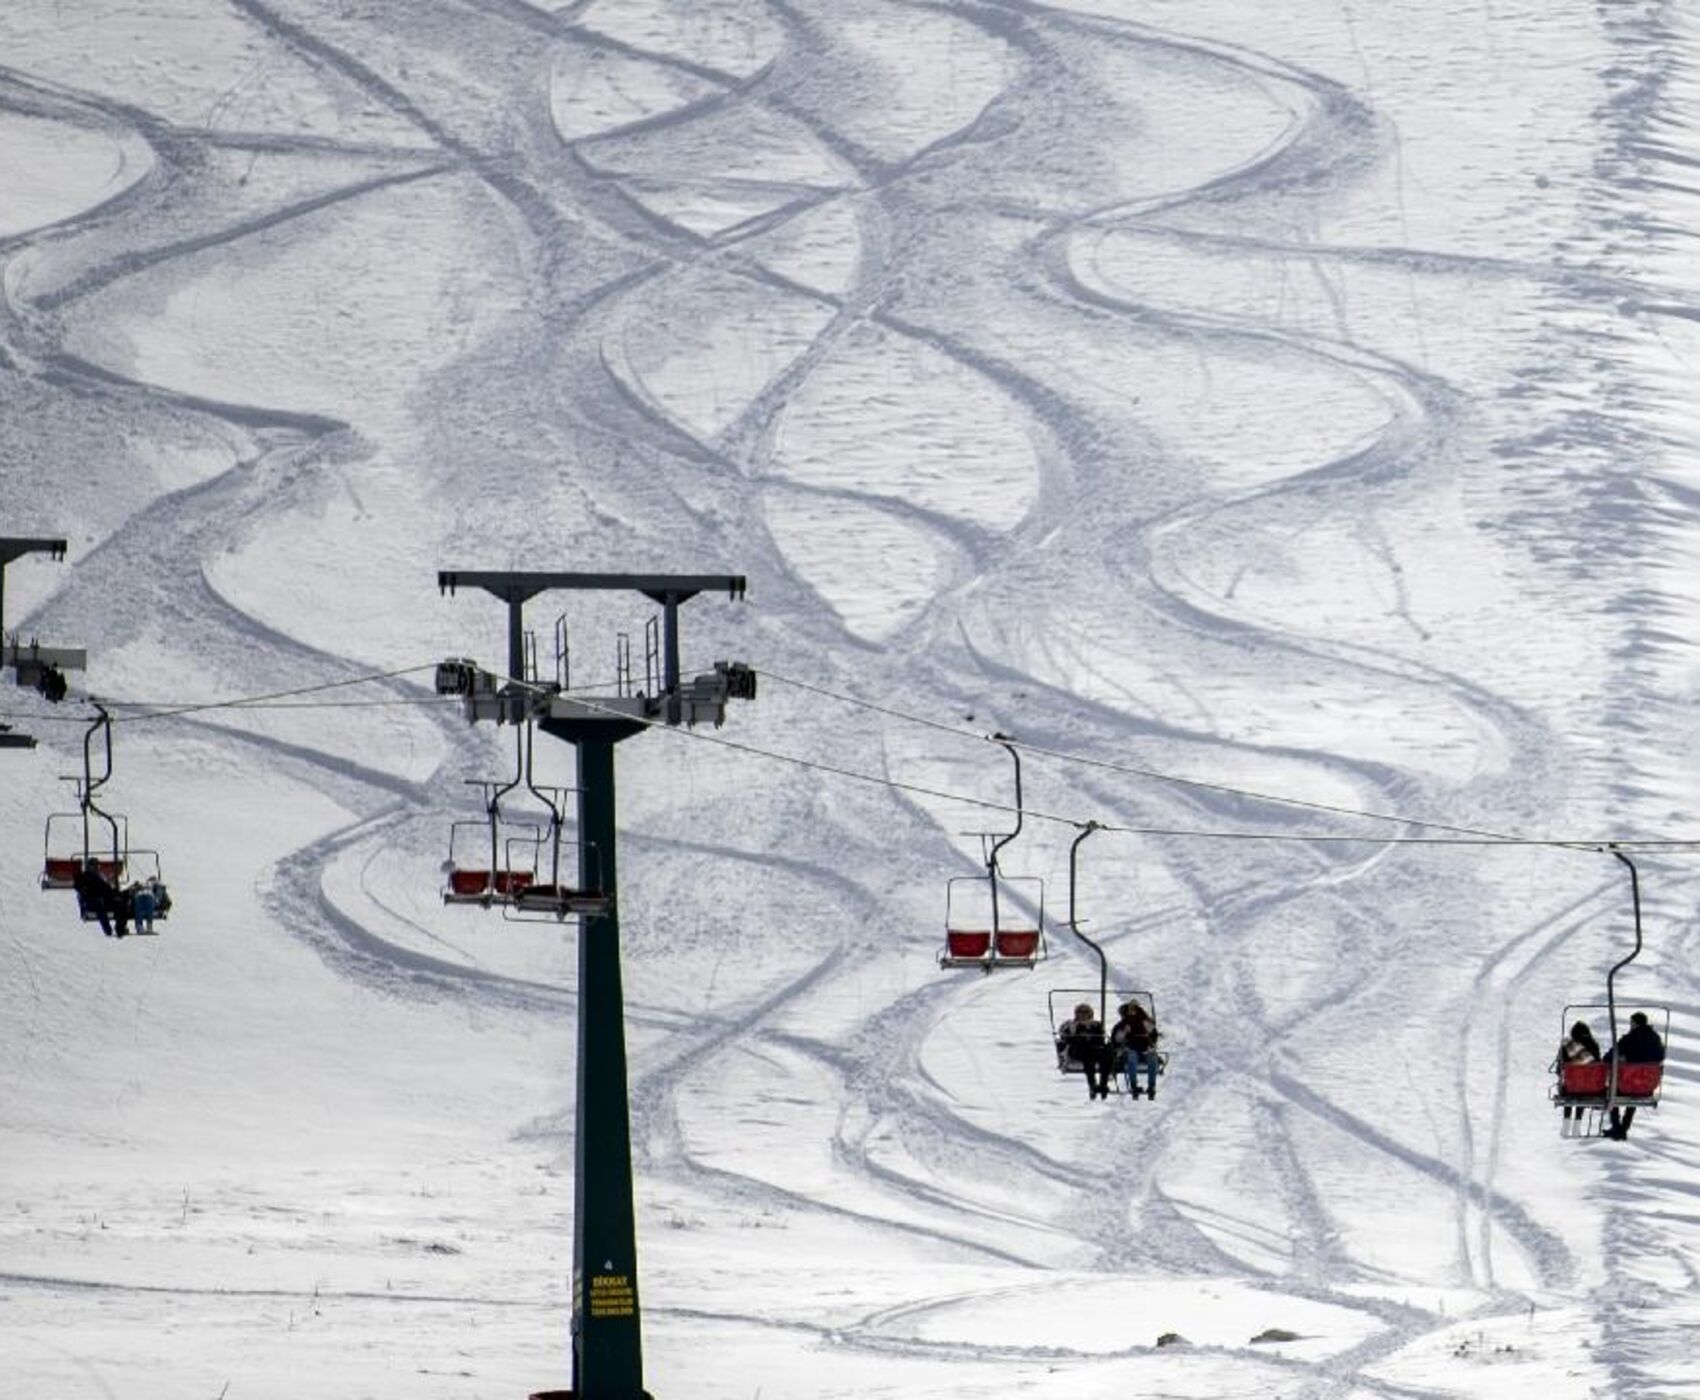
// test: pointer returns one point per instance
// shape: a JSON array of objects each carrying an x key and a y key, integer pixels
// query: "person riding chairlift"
[
  {"x": 1134, "y": 1038},
  {"x": 1081, "y": 1039},
  {"x": 98, "y": 899},
  {"x": 1577, "y": 1048},
  {"x": 1639, "y": 1045},
  {"x": 146, "y": 900}
]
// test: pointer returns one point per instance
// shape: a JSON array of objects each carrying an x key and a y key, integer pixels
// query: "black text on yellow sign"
[{"x": 612, "y": 1295}]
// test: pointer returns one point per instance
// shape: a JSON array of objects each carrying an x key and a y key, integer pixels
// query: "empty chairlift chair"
[{"x": 996, "y": 922}]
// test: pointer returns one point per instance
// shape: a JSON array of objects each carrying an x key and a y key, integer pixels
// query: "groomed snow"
[{"x": 1217, "y": 397}]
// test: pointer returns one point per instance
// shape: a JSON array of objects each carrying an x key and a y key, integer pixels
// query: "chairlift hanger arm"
[
  {"x": 1074, "y": 924},
  {"x": 1635, "y": 952},
  {"x": 1003, "y": 740}
]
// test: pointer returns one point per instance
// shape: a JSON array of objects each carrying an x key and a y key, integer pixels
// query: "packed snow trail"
[{"x": 1109, "y": 390}]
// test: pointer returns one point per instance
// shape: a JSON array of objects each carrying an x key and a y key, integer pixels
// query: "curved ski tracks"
[{"x": 1335, "y": 136}]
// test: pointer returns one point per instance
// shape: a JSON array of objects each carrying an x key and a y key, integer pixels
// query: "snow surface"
[{"x": 1292, "y": 397}]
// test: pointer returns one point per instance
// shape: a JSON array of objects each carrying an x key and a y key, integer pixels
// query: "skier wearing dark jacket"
[
  {"x": 1081, "y": 1039},
  {"x": 1639, "y": 1045},
  {"x": 95, "y": 895}
]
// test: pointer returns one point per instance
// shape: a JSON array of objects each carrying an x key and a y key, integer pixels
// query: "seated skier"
[
  {"x": 1134, "y": 1038},
  {"x": 96, "y": 898},
  {"x": 1639, "y": 1045},
  {"x": 1081, "y": 1039}
]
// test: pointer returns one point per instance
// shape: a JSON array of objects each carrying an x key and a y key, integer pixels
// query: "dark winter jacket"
[
  {"x": 1082, "y": 1040},
  {"x": 1135, "y": 1033},
  {"x": 93, "y": 889},
  {"x": 1640, "y": 1045}
]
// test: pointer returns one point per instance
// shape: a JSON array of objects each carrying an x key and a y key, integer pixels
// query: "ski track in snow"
[{"x": 913, "y": 220}]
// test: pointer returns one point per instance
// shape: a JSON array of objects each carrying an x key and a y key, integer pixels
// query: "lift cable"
[
  {"x": 1138, "y": 772},
  {"x": 1593, "y": 843},
  {"x": 250, "y": 701},
  {"x": 279, "y": 700}
]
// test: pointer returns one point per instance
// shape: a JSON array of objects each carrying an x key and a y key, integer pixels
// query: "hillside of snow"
[{"x": 1220, "y": 398}]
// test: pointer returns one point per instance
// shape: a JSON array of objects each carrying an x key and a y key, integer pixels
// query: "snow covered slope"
[{"x": 1279, "y": 397}]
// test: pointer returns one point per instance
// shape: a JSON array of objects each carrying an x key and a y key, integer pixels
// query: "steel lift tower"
[
  {"x": 606, "y": 1334},
  {"x": 36, "y": 665}
]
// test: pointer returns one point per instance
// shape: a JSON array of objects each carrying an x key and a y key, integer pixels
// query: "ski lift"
[
  {"x": 69, "y": 845},
  {"x": 73, "y": 841},
  {"x": 517, "y": 865},
  {"x": 479, "y": 867},
  {"x": 1595, "y": 1095},
  {"x": 1060, "y": 999},
  {"x": 984, "y": 927},
  {"x": 36, "y": 666}
]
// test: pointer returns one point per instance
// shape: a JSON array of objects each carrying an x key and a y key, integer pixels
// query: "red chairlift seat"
[
  {"x": 471, "y": 878},
  {"x": 60, "y": 872},
  {"x": 969, "y": 938},
  {"x": 1017, "y": 945},
  {"x": 468, "y": 887},
  {"x": 1639, "y": 1083},
  {"x": 1582, "y": 1081},
  {"x": 965, "y": 946},
  {"x": 1636, "y": 1083},
  {"x": 473, "y": 886},
  {"x": 66, "y": 846}
]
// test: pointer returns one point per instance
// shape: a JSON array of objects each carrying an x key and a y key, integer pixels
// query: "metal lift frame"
[{"x": 607, "y": 1351}]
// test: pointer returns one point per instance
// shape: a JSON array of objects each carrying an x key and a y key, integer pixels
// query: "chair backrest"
[
  {"x": 1583, "y": 1079},
  {"x": 469, "y": 881},
  {"x": 967, "y": 943},
  {"x": 1017, "y": 943},
  {"x": 1639, "y": 1081}
]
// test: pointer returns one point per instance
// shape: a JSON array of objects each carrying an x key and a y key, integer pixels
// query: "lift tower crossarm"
[
  {"x": 669, "y": 590},
  {"x": 517, "y": 587},
  {"x": 15, "y": 548}
]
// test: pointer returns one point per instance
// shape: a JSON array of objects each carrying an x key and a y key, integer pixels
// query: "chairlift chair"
[
  {"x": 1101, "y": 995},
  {"x": 481, "y": 869},
  {"x": 1108, "y": 1001},
  {"x": 550, "y": 895},
  {"x": 67, "y": 846},
  {"x": 992, "y": 923},
  {"x": 1592, "y": 1095},
  {"x": 517, "y": 864},
  {"x": 71, "y": 840},
  {"x": 1590, "y": 1091},
  {"x": 995, "y": 920}
]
